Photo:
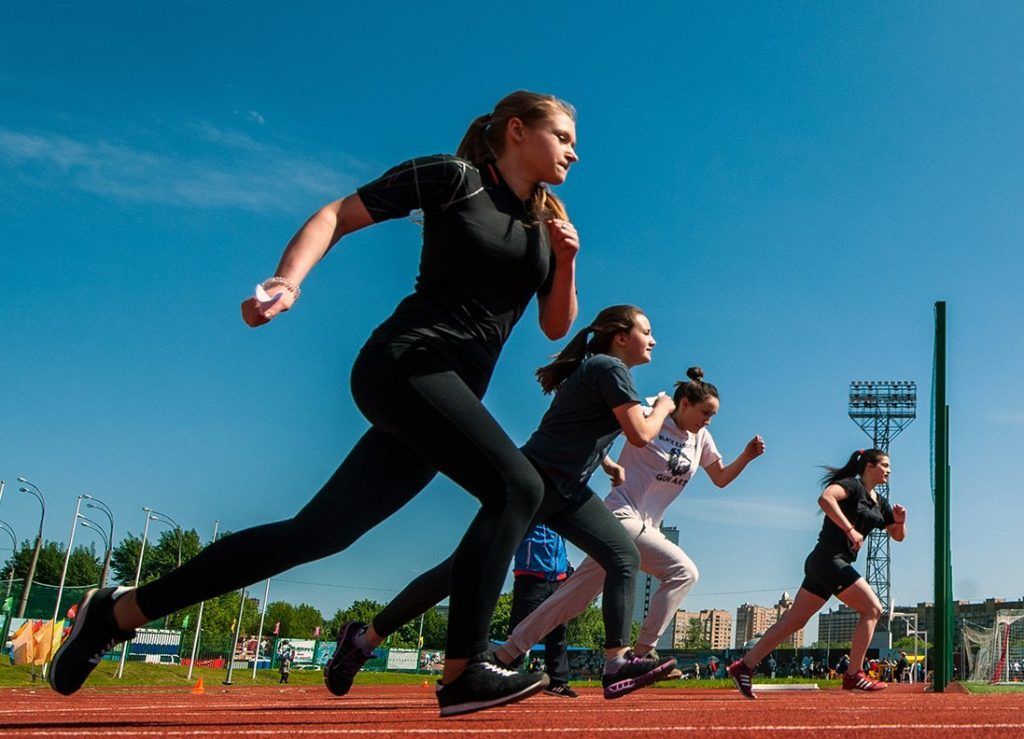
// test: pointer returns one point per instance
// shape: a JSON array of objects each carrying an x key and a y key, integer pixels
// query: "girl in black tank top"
[{"x": 853, "y": 509}]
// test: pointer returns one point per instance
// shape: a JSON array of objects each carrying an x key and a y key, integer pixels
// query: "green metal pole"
[{"x": 943, "y": 594}]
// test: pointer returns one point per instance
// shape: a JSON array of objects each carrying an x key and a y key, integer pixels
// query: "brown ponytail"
[
  {"x": 609, "y": 322},
  {"x": 484, "y": 140}
]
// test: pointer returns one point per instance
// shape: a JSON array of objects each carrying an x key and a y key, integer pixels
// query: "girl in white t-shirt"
[{"x": 645, "y": 481}]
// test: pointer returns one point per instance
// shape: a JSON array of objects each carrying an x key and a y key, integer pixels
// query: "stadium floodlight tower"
[{"x": 882, "y": 409}]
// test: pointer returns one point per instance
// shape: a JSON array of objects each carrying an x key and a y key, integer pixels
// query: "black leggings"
[
  {"x": 426, "y": 418},
  {"x": 587, "y": 524}
]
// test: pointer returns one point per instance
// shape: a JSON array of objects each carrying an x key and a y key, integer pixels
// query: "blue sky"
[{"x": 785, "y": 189}]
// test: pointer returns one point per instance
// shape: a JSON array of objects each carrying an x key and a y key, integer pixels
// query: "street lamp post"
[
  {"x": 151, "y": 515},
  {"x": 828, "y": 639},
  {"x": 164, "y": 518},
  {"x": 238, "y": 629},
  {"x": 39, "y": 544},
  {"x": 199, "y": 618},
  {"x": 104, "y": 536},
  {"x": 10, "y": 577},
  {"x": 101, "y": 506},
  {"x": 6, "y": 527},
  {"x": 67, "y": 558}
]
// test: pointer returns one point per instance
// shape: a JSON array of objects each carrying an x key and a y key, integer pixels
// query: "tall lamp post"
[
  {"x": 199, "y": 618},
  {"x": 87, "y": 523},
  {"x": 101, "y": 506},
  {"x": 4, "y": 526},
  {"x": 67, "y": 558},
  {"x": 33, "y": 490},
  {"x": 151, "y": 515},
  {"x": 90, "y": 524}
]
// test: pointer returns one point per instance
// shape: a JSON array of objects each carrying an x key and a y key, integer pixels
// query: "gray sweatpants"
[{"x": 658, "y": 557}]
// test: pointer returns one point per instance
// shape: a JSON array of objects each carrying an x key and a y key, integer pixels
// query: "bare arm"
[
  {"x": 721, "y": 475},
  {"x": 558, "y": 309},
  {"x": 898, "y": 528},
  {"x": 307, "y": 247},
  {"x": 616, "y": 472},
  {"x": 638, "y": 429}
]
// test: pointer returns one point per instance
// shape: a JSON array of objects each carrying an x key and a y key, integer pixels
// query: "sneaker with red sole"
[
  {"x": 743, "y": 676},
  {"x": 860, "y": 681}
]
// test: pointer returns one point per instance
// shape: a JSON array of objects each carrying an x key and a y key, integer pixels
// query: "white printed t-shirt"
[{"x": 657, "y": 472}]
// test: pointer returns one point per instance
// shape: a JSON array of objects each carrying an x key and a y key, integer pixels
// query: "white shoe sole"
[{"x": 473, "y": 706}]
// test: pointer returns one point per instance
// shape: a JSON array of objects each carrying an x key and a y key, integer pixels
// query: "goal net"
[{"x": 995, "y": 654}]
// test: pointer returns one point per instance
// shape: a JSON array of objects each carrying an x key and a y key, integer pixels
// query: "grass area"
[
  {"x": 986, "y": 689},
  {"x": 139, "y": 673}
]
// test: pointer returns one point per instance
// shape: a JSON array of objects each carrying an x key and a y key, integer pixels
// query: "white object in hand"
[
  {"x": 654, "y": 399},
  {"x": 266, "y": 299}
]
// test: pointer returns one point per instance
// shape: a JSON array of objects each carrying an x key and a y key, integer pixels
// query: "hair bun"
[{"x": 695, "y": 373}]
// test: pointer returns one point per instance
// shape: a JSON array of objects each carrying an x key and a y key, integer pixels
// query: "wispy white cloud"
[
  {"x": 746, "y": 512},
  {"x": 211, "y": 168},
  {"x": 255, "y": 117}
]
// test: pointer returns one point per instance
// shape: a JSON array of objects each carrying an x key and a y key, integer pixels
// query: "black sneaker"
[
  {"x": 486, "y": 684},
  {"x": 348, "y": 659},
  {"x": 637, "y": 672},
  {"x": 561, "y": 690},
  {"x": 94, "y": 633}
]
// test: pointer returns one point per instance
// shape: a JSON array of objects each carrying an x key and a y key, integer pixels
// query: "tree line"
[{"x": 221, "y": 613}]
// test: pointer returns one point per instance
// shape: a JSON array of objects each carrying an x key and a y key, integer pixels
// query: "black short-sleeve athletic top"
[
  {"x": 860, "y": 510},
  {"x": 579, "y": 427},
  {"x": 484, "y": 257}
]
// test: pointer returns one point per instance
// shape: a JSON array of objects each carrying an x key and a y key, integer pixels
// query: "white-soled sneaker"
[
  {"x": 486, "y": 684},
  {"x": 95, "y": 632}
]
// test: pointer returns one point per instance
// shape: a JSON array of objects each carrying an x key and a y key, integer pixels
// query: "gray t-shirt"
[{"x": 578, "y": 429}]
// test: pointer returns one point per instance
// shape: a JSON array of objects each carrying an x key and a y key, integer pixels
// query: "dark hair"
[
  {"x": 854, "y": 465},
  {"x": 484, "y": 141},
  {"x": 609, "y": 322},
  {"x": 696, "y": 390}
]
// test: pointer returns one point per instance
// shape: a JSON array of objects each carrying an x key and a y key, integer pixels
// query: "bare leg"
[
  {"x": 805, "y": 606},
  {"x": 862, "y": 599}
]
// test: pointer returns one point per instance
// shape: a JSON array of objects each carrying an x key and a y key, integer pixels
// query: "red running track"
[{"x": 394, "y": 711}]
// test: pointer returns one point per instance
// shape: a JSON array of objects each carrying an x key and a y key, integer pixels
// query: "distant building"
[
  {"x": 836, "y": 626},
  {"x": 715, "y": 625},
  {"x": 753, "y": 620},
  {"x": 646, "y": 585},
  {"x": 981, "y": 614}
]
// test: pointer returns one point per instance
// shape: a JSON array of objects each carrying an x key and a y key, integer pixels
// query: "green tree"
[
  {"x": 361, "y": 610},
  {"x": 587, "y": 629},
  {"x": 501, "y": 618},
  {"x": 906, "y": 643},
  {"x": 306, "y": 621},
  {"x": 218, "y": 627},
  {"x": 695, "y": 637},
  {"x": 83, "y": 566},
  {"x": 160, "y": 558},
  {"x": 435, "y": 631}
]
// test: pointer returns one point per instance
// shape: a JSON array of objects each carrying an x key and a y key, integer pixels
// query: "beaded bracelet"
[{"x": 284, "y": 282}]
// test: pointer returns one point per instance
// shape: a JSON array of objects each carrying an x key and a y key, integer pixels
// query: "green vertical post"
[{"x": 943, "y": 626}]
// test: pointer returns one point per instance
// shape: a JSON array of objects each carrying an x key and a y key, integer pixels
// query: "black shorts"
[{"x": 826, "y": 574}]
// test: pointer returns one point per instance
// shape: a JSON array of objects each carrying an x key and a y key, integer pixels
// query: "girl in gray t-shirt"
[{"x": 595, "y": 400}]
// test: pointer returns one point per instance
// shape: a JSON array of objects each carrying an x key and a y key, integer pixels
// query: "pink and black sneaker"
[
  {"x": 636, "y": 673},
  {"x": 860, "y": 681},
  {"x": 743, "y": 676}
]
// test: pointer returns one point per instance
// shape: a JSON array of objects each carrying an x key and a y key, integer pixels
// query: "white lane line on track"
[{"x": 625, "y": 730}]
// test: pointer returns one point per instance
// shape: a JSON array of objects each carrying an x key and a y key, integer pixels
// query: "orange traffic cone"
[
  {"x": 198, "y": 689},
  {"x": 426, "y": 684}
]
